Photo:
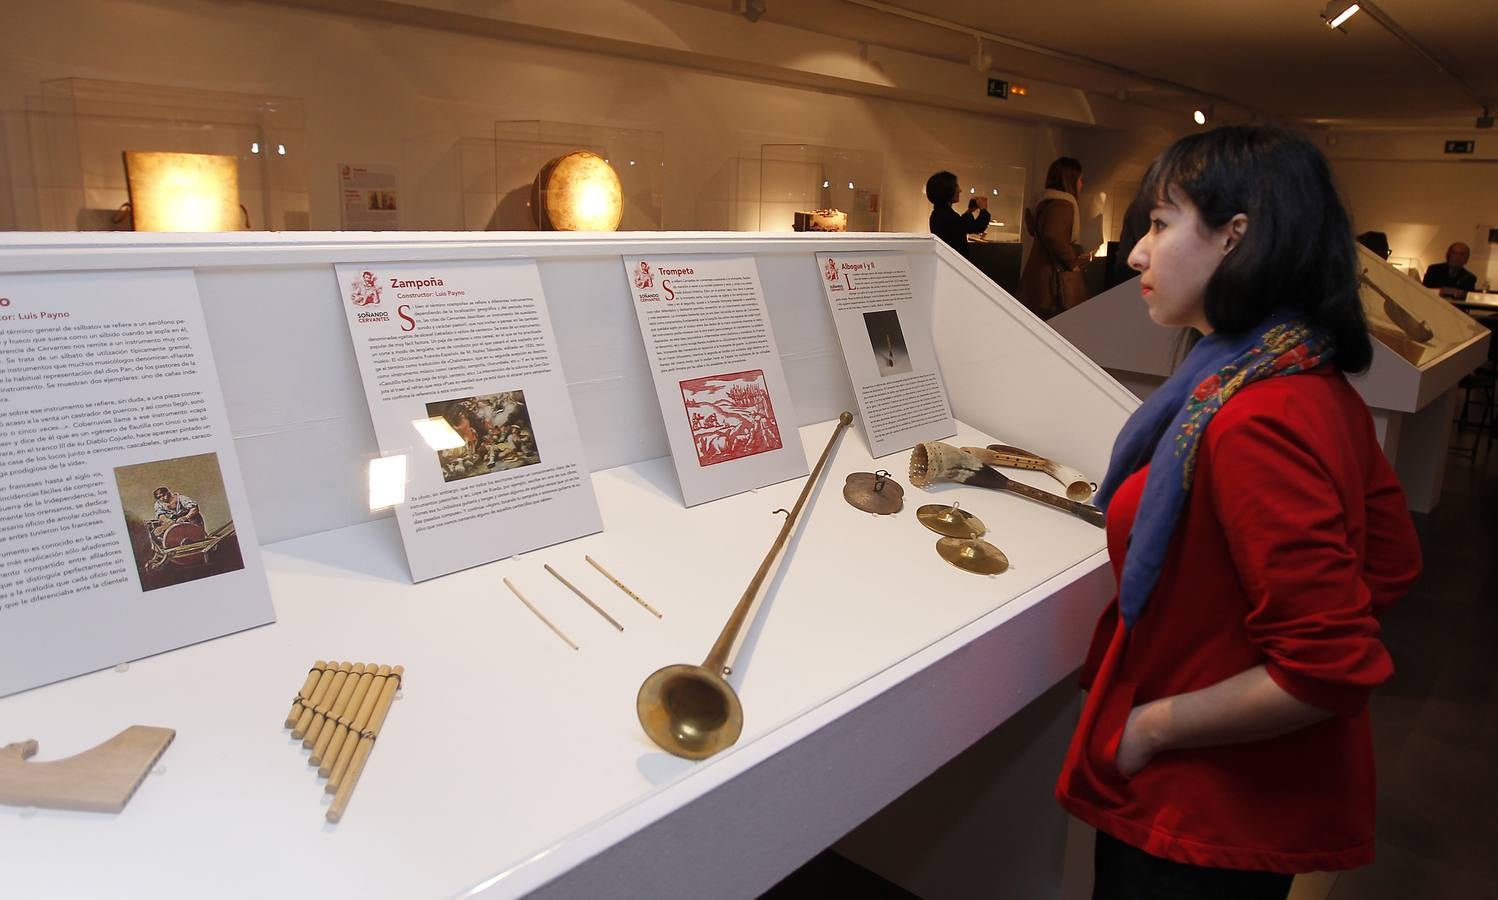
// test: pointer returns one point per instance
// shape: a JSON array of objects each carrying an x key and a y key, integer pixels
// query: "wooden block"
[{"x": 99, "y": 780}]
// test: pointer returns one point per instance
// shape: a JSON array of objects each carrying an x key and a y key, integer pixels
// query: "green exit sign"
[
  {"x": 998, "y": 88},
  {"x": 1461, "y": 146}
]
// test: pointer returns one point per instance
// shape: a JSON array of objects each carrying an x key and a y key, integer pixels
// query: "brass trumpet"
[{"x": 692, "y": 711}]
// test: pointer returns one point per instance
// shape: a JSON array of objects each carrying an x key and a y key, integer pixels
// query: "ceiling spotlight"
[
  {"x": 751, "y": 9},
  {"x": 1338, "y": 12},
  {"x": 980, "y": 60},
  {"x": 1199, "y": 116}
]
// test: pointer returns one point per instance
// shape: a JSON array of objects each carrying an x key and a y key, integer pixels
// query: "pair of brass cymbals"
[{"x": 962, "y": 542}]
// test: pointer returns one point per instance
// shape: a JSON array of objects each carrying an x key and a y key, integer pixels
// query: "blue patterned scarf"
[{"x": 1165, "y": 431}]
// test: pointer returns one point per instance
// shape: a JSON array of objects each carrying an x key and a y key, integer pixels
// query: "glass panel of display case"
[
  {"x": 16, "y": 189},
  {"x": 560, "y": 172},
  {"x": 80, "y": 128},
  {"x": 804, "y": 187},
  {"x": 1003, "y": 185},
  {"x": 478, "y": 185},
  {"x": 1413, "y": 321}
]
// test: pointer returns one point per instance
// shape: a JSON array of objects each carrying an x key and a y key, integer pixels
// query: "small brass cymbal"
[
  {"x": 874, "y": 492},
  {"x": 973, "y": 555},
  {"x": 950, "y": 521}
]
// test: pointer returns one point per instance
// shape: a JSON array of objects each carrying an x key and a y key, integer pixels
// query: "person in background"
[
  {"x": 1052, "y": 279},
  {"x": 1376, "y": 241},
  {"x": 943, "y": 190},
  {"x": 1257, "y": 532},
  {"x": 1451, "y": 278},
  {"x": 1136, "y": 223}
]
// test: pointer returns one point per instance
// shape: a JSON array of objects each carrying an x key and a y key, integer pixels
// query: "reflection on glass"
[
  {"x": 387, "y": 481},
  {"x": 438, "y": 433}
]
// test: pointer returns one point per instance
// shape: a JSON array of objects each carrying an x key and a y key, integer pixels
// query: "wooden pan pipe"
[{"x": 337, "y": 715}]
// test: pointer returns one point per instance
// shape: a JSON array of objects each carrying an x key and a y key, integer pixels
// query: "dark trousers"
[{"x": 1122, "y": 872}]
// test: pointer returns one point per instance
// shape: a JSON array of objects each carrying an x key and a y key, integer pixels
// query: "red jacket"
[{"x": 1294, "y": 537}]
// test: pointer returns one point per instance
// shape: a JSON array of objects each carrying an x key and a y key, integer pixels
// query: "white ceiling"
[{"x": 1270, "y": 56}]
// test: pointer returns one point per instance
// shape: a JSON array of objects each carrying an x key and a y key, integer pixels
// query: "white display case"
[
  {"x": 522, "y": 148},
  {"x": 1409, "y": 388},
  {"x": 514, "y": 764},
  {"x": 79, "y": 128},
  {"x": 803, "y": 177}
]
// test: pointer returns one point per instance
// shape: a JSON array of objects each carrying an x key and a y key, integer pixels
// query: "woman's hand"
[
  {"x": 1249, "y": 706},
  {"x": 1137, "y": 746}
]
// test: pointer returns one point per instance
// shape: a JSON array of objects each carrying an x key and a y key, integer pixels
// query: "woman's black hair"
[
  {"x": 1298, "y": 250},
  {"x": 940, "y": 188}
]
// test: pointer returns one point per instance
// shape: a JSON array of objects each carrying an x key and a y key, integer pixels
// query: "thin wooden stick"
[
  {"x": 555, "y": 630},
  {"x": 366, "y": 744},
  {"x": 305, "y": 694},
  {"x": 309, "y": 708},
  {"x": 596, "y": 608},
  {"x": 366, "y": 709},
  {"x": 320, "y": 712},
  {"x": 620, "y": 585},
  {"x": 330, "y": 723},
  {"x": 329, "y": 754}
]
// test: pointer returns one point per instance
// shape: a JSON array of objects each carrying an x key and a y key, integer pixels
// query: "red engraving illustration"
[
  {"x": 829, "y": 271},
  {"x": 731, "y": 416}
]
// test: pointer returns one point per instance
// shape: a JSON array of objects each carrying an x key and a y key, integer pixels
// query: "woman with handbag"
[{"x": 1052, "y": 281}]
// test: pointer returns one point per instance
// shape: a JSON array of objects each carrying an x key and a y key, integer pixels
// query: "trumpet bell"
[{"x": 689, "y": 711}]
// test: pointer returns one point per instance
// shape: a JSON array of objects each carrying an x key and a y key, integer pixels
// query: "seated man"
[{"x": 1453, "y": 280}]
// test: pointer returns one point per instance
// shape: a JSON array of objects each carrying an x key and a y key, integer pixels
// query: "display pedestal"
[
  {"x": 1417, "y": 443},
  {"x": 513, "y": 764},
  {"x": 999, "y": 260}
]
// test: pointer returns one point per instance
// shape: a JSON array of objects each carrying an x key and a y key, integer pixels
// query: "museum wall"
[
  {"x": 377, "y": 92},
  {"x": 426, "y": 99},
  {"x": 1402, "y": 183}
]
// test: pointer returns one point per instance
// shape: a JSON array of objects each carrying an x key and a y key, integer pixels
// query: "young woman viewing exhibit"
[
  {"x": 1052, "y": 281},
  {"x": 1256, "y": 532},
  {"x": 943, "y": 190}
]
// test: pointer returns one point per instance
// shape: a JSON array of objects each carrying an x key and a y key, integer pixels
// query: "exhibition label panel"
[
  {"x": 480, "y": 450},
  {"x": 124, "y": 525},
  {"x": 886, "y": 341},
  {"x": 717, "y": 372}
]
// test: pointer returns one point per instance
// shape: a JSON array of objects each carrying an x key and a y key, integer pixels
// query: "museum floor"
[{"x": 1435, "y": 725}]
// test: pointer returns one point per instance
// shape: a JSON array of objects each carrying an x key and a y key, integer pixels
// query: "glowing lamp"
[
  {"x": 183, "y": 191},
  {"x": 578, "y": 191}
]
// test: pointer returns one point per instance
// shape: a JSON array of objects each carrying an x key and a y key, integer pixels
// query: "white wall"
[
  {"x": 1403, "y": 184},
  {"x": 381, "y": 92}
]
